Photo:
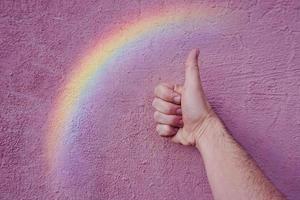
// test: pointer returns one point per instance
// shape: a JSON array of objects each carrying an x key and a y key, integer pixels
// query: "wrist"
[{"x": 211, "y": 130}]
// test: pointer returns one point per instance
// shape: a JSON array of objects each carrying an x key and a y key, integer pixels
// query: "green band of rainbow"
[{"x": 97, "y": 59}]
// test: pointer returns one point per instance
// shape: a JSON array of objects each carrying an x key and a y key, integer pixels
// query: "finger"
[
  {"x": 166, "y": 92},
  {"x": 166, "y": 130},
  {"x": 172, "y": 120},
  {"x": 166, "y": 107},
  {"x": 178, "y": 88},
  {"x": 192, "y": 77},
  {"x": 176, "y": 138},
  {"x": 179, "y": 139}
]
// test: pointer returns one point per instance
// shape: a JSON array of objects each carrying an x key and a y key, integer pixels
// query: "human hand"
[{"x": 182, "y": 111}]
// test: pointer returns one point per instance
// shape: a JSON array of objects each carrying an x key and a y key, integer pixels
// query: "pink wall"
[{"x": 251, "y": 74}]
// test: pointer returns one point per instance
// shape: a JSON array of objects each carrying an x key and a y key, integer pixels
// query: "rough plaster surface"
[{"x": 251, "y": 73}]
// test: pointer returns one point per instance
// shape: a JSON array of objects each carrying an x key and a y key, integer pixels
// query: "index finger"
[{"x": 166, "y": 92}]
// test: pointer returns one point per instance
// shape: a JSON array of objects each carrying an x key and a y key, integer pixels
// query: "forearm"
[{"x": 231, "y": 172}]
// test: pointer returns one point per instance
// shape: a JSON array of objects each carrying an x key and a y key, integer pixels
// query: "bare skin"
[{"x": 184, "y": 114}]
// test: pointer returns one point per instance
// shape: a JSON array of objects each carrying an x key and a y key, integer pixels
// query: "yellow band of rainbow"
[{"x": 97, "y": 58}]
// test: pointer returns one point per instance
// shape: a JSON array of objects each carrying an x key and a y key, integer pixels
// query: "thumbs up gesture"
[{"x": 182, "y": 111}]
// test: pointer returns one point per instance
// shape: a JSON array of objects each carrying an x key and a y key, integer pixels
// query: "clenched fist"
[{"x": 182, "y": 111}]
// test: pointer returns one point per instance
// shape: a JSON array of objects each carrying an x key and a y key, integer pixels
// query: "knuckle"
[
  {"x": 161, "y": 133},
  {"x": 157, "y": 128},
  {"x": 170, "y": 94},
  {"x": 154, "y": 103},
  {"x": 165, "y": 130},
  {"x": 163, "y": 92},
  {"x": 164, "y": 107},
  {"x": 168, "y": 130},
  {"x": 158, "y": 88},
  {"x": 160, "y": 130},
  {"x": 156, "y": 115}
]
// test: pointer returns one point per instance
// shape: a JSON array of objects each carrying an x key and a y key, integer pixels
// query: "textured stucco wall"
[{"x": 250, "y": 70}]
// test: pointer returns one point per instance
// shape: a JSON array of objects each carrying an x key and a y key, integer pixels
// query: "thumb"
[{"x": 192, "y": 78}]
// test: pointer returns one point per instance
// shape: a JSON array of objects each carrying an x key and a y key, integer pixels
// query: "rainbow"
[{"x": 87, "y": 70}]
